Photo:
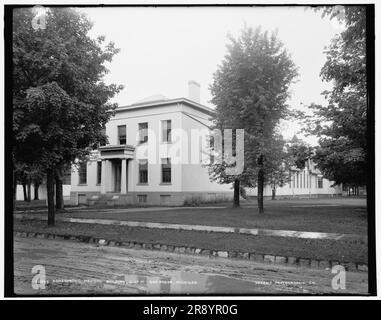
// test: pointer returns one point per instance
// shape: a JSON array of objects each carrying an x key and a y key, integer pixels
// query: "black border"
[{"x": 8, "y": 169}]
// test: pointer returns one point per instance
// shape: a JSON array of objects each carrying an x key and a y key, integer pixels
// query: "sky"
[{"x": 161, "y": 49}]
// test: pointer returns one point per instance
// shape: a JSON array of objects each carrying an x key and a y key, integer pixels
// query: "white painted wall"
[
  {"x": 196, "y": 176},
  {"x": 293, "y": 189},
  {"x": 188, "y": 174}
]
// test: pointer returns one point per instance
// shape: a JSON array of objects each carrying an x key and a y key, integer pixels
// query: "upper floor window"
[
  {"x": 143, "y": 171},
  {"x": 166, "y": 130},
  {"x": 103, "y": 141},
  {"x": 166, "y": 170},
  {"x": 82, "y": 173},
  {"x": 122, "y": 135},
  {"x": 143, "y": 132}
]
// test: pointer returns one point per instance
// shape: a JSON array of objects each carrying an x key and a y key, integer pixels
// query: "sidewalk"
[{"x": 244, "y": 231}]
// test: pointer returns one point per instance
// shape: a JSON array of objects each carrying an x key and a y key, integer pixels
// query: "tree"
[
  {"x": 281, "y": 162},
  {"x": 250, "y": 90},
  {"x": 299, "y": 151},
  {"x": 61, "y": 103},
  {"x": 342, "y": 125}
]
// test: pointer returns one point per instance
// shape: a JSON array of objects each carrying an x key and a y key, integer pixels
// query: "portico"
[{"x": 116, "y": 168}]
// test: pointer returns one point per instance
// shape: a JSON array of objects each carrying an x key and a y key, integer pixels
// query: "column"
[
  {"x": 103, "y": 177},
  {"x": 131, "y": 174},
  {"x": 123, "y": 180}
]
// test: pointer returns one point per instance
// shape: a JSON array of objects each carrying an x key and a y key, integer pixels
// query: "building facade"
[
  {"x": 153, "y": 156},
  {"x": 302, "y": 183}
]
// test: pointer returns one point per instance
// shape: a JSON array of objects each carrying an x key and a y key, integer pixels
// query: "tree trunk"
[
  {"x": 260, "y": 190},
  {"x": 50, "y": 191},
  {"x": 273, "y": 194},
  {"x": 29, "y": 187},
  {"x": 25, "y": 191},
  {"x": 36, "y": 185},
  {"x": 236, "y": 193},
  {"x": 59, "y": 192},
  {"x": 261, "y": 181},
  {"x": 14, "y": 190}
]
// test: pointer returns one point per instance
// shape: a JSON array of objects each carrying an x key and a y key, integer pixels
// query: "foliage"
[
  {"x": 60, "y": 101},
  {"x": 278, "y": 164},
  {"x": 299, "y": 152},
  {"x": 342, "y": 125},
  {"x": 250, "y": 90}
]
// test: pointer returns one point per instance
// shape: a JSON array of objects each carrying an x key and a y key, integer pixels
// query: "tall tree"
[
  {"x": 250, "y": 91},
  {"x": 280, "y": 161},
  {"x": 342, "y": 125},
  {"x": 60, "y": 102}
]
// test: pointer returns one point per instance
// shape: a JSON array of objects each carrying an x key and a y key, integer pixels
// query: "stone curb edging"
[{"x": 257, "y": 257}]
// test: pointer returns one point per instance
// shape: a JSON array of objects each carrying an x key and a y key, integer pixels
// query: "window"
[
  {"x": 143, "y": 171},
  {"x": 103, "y": 142},
  {"x": 99, "y": 172},
  {"x": 166, "y": 170},
  {"x": 166, "y": 130},
  {"x": 297, "y": 180},
  {"x": 143, "y": 132},
  {"x": 320, "y": 183},
  {"x": 142, "y": 198},
  {"x": 82, "y": 172},
  {"x": 122, "y": 138}
]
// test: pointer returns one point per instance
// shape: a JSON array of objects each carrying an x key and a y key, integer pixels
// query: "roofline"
[{"x": 150, "y": 104}]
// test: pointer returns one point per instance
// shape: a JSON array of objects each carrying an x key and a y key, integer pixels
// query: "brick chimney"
[{"x": 194, "y": 91}]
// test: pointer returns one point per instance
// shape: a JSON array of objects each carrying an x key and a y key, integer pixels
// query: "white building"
[
  {"x": 302, "y": 183},
  {"x": 152, "y": 156}
]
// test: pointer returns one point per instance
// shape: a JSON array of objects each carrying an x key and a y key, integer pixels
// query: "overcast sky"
[{"x": 163, "y": 48}]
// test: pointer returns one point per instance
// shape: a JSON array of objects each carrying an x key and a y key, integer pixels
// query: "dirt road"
[{"x": 80, "y": 268}]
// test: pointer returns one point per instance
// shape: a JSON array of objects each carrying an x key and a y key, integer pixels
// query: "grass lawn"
[
  {"x": 278, "y": 215},
  {"x": 343, "y": 251}
]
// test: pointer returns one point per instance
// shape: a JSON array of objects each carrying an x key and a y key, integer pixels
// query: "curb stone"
[
  {"x": 362, "y": 267},
  {"x": 314, "y": 264},
  {"x": 280, "y": 260},
  {"x": 324, "y": 264},
  {"x": 256, "y": 257},
  {"x": 304, "y": 262},
  {"x": 272, "y": 259},
  {"x": 269, "y": 258},
  {"x": 292, "y": 261}
]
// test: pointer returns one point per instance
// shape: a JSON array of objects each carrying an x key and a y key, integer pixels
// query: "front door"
[{"x": 118, "y": 171}]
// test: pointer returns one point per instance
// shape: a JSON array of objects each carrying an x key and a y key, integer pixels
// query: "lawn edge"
[{"x": 256, "y": 257}]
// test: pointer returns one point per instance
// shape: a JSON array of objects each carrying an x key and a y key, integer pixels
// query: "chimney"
[{"x": 194, "y": 91}]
